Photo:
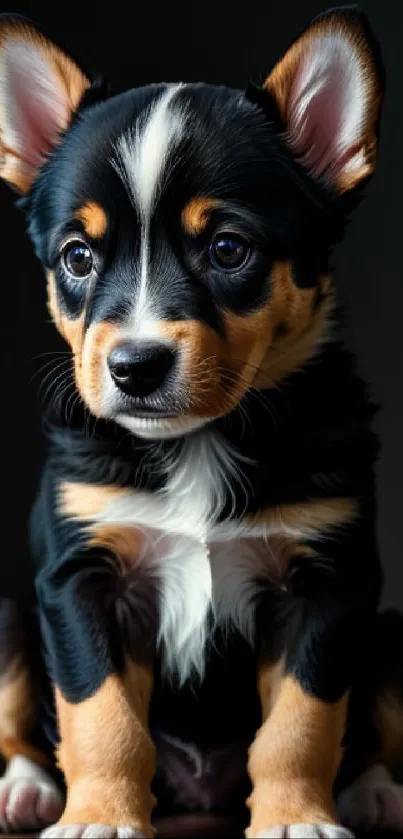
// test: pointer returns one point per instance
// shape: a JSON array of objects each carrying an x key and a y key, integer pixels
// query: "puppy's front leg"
[
  {"x": 294, "y": 761},
  {"x": 102, "y": 692},
  {"x": 297, "y": 752}
]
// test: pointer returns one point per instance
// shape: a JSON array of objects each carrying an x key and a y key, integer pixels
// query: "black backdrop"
[{"x": 221, "y": 42}]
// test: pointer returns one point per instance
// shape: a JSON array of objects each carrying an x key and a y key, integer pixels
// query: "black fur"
[{"x": 309, "y": 439}]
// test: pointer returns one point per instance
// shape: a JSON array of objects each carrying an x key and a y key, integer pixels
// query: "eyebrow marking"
[
  {"x": 196, "y": 213},
  {"x": 93, "y": 218}
]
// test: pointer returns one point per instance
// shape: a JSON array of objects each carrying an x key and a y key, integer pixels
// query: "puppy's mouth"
[
  {"x": 158, "y": 426},
  {"x": 152, "y": 413},
  {"x": 156, "y": 419}
]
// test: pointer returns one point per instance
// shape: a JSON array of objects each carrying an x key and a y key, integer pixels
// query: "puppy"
[{"x": 206, "y": 518}]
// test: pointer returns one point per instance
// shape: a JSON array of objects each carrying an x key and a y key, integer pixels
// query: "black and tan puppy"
[{"x": 206, "y": 518}]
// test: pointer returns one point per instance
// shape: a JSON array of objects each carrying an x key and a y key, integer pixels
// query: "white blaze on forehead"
[
  {"x": 142, "y": 162},
  {"x": 143, "y": 153}
]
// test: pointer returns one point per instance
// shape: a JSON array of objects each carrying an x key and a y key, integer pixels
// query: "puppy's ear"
[
  {"x": 40, "y": 88},
  {"x": 328, "y": 89}
]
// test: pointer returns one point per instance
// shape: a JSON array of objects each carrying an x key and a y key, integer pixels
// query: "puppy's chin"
[{"x": 159, "y": 428}]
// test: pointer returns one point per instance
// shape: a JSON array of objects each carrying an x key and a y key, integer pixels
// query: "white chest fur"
[{"x": 202, "y": 570}]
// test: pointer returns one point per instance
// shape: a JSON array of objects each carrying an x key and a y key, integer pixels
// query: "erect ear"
[
  {"x": 328, "y": 89},
  {"x": 40, "y": 88}
]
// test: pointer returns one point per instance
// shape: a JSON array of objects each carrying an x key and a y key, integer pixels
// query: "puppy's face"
[
  {"x": 177, "y": 248},
  {"x": 183, "y": 235}
]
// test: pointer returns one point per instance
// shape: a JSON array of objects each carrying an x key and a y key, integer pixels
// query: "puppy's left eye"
[
  {"x": 229, "y": 251},
  {"x": 78, "y": 259}
]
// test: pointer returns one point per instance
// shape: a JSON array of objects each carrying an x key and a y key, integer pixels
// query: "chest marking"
[{"x": 201, "y": 568}]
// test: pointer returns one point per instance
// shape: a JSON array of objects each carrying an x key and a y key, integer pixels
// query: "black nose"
[{"x": 140, "y": 369}]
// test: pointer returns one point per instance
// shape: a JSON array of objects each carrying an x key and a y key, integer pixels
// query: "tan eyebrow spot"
[
  {"x": 94, "y": 219},
  {"x": 196, "y": 213}
]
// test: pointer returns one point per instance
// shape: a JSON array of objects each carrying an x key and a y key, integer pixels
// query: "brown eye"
[
  {"x": 78, "y": 260},
  {"x": 228, "y": 251}
]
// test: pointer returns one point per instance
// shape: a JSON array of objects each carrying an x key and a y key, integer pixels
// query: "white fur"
[
  {"x": 91, "y": 831},
  {"x": 30, "y": 90},
  {"x": 29, "y": 797},
  {"x": 200, "y": 468},
  {"x": 328, "y": 106},
  {"x": 142, "y": 162},
  {"x": 305, "y": 831},
  {"x": 176, "y": 523},
  {"x": 22, "y": 767},
  {"x": 201, "y": 569},
  {"x": 160, "y": 429},
  {"x": 205, "y": 572},
  {"x": 143, "y": 154}
]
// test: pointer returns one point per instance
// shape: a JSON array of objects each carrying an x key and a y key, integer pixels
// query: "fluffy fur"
[{"x": 207, "y": 510}]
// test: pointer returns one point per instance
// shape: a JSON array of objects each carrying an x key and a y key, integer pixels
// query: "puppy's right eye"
[{"x": 78, "y": 259}]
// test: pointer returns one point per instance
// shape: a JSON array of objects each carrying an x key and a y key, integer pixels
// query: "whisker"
[
  {"x": 49, "y": 364},
  {"x": 44, "y": 396}
]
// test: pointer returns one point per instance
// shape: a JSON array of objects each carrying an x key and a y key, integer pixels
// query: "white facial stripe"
[
  {"x": 142, "y": 163},
  {"x": 144, "y": 154}
]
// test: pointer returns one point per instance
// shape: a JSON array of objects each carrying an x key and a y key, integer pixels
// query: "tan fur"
[
  {"x": 71, "y": 329},
  {"x": 280, "y": 84},
  {"x": 295, "y": 757},
  {"x": 309, "y": 518},
  {"x": 106, "y": 753},
  {"x": 216, "y": 372},
  {"x": 124, "y": 542},
  {"x": 196, "y": 213},
  {"x": 18, "y": 709},
  {"x": 84, "y": 501},
  {"x": 17, "y": 701},
  {"x": 94, "y": 219},
  {"x": 10, "y": 747},
  {"x": 99, "y": 340},
  {"x": 90, "y": 347},
  {"x": 303, "y": 327},
  {"x": 219, "y": 371},
  {"x": 13, "y": 168}
]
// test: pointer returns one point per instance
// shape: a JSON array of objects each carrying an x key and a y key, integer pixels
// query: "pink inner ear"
[
  {"x": 35, "y": 102},
  {"x": 326, "y": 108}
]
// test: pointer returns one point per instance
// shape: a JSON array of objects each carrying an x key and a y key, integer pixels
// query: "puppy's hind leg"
[
  {"x": 371, "y": 798},
  {"x": 29, "y": 797}
]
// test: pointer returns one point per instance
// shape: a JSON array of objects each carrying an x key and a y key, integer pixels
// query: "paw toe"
[
  {"x": 29, "y": 798},
  {"x": 90, "y": 831},
  {"x": 306, "y": 831}
]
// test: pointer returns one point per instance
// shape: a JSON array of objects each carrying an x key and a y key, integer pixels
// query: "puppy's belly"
[{"x": 193, "y": 779}]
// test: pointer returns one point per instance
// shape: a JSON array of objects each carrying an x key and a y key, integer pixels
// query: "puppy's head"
[{"x": 185, "y": 229}]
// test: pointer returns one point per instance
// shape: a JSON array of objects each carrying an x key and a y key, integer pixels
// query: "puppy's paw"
[
  {"x": 29, "y": 798},
  {"x": 305, "y": 831},
  {"x": 374, "y": 801},
  {"x": 90, "y": 831}
]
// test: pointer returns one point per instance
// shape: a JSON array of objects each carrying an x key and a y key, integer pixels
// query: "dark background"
[{"x": 219, "y": 42}]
